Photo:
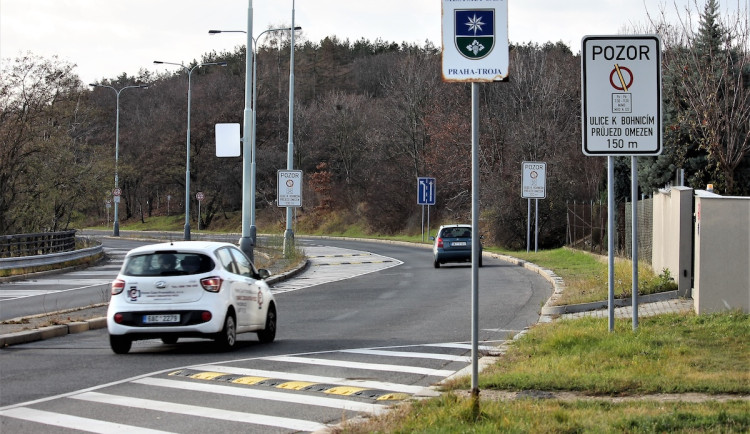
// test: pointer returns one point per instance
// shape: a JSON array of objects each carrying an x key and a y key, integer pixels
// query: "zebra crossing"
[{"x": 285, "y": 393}]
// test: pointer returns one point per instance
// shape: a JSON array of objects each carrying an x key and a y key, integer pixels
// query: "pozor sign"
[
  {"x": 621, "y": 98},
  {"x": 289, "y": 188},
  {"x": 534, "y": 185}
]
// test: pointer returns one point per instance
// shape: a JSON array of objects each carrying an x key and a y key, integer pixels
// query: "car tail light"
[
  {"x": 206, "y": 316},
  {"x": 118, "y": 318},
  {"x": 440, "y": 242},
  {"x": 211, "y": 284},
  {"x": 117, "y": 286}
]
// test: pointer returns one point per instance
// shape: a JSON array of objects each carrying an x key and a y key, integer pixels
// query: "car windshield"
[
  {"x": 167, "y": 264},
  {"x": 458, "y": 232}
]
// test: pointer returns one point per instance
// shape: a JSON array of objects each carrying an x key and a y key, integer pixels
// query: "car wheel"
[
  {"x": 170, "y": 340},
  {"x": 227, "y": 337},
  {"x": 268, "y": 334},
  {"x": 436, "y": 264},
  {"x": 120, "y": 344}
]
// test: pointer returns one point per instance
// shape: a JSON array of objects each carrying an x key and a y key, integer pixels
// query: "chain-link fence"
[{"x": 587, "y": 228}]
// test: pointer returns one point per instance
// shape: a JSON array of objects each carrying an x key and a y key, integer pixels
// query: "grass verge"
[
  {"x": 586, "y": 276},
  {"x": 452, "y": 414},
  {"x": 671, "y": 354}
]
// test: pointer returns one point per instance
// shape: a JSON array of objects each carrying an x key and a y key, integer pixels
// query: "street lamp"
[
  {"x": 249, "y": 230},
  {"x": 289, "y": 233},
  {"x": 116, "y": 226},
  {"x": 187, "y": 158}
]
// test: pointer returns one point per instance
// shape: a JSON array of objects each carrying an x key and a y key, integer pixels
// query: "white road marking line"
[
  {"x": 367, "y": 366},
  {"x": 434, "y": 356},
  {"x": 75, "y": 422},
  {"x": 368, "y": 384},
  {"x": 320, "y": 255},
  {"x": 462, "y": 346},
  {"x": 243, "y": 392},
  {"x": 16, "y": 293},
  {"x": 58, "y": 282},
  {"x": 194, "y": 410}
]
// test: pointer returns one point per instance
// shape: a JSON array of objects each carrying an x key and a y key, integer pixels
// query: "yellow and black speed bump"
[
  {"x": 352, "y": 263},
  {"x": 330, "y": 389}
]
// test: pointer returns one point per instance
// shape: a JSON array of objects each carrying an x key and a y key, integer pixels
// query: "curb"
[
  {"x": 54, "y": 331},
  {"x": 618, "y": 302}
]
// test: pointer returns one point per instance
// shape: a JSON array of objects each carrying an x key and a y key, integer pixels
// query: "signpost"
[
  {"x": 475, "y": 49},
  {"x": 200, "y": 196},
  {"x": 621, "y": 83},
  {"x": 475, "y": 40},
  {"x": 621, "y": 115},
  {"x": 289, "y": 188},
  {"x": 534, "y": 186},
  {"x": 426, "y": 196}
]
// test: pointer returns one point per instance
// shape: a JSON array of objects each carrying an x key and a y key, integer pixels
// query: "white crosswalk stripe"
[{"x": 74, "y": 422}]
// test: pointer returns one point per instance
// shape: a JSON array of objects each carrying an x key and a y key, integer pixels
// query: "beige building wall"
[
  {"x": 722, "y": 254},
  {"x": 673, "y": 230}
]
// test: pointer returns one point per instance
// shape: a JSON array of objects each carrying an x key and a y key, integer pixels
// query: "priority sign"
[{"x": 621, "y": 98}]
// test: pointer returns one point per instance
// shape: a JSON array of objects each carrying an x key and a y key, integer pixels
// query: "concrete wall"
[
  {"x": 722, "y": 254},
  {"x": 672, "y": 236}
]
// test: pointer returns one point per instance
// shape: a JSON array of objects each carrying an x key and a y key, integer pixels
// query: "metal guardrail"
[
  {"x": 49, "y": 259},
  {"x": 37, "y": 244}
]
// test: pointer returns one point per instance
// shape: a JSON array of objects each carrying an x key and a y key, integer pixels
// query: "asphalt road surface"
[{"x": 368, "y": 324}]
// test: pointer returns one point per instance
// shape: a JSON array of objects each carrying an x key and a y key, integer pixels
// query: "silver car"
[
  {"x": 189, "y": 289},
  {"x": 453, "y": 244}
]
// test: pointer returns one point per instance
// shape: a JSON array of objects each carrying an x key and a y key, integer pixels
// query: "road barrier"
[
  {"x": 37, "y": 244},
  {"x": 44, "y": 249}
]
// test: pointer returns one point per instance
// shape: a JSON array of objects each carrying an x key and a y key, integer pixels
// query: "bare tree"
[{"x": 710, "y": 65}]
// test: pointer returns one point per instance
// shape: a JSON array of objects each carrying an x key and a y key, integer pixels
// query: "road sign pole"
[
  {"x": 536, "y": 225},
  {"x": 428, "y": 222},
  {"x": 475, "y": 245},
  {"x": 611, "y": 239},
  {"x": 634, "y": 233},
  {"x": 528, "y": 225},
  {"x": 423, "y": 223}
]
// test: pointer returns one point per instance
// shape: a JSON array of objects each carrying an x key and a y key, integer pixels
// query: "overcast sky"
[{"x": 105, "y": 38}]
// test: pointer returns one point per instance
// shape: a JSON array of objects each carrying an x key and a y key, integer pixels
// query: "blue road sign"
[{"x": 426, "y": 191}]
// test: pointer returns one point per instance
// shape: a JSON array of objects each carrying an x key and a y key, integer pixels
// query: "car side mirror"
[{"x": 263, "y": 274}]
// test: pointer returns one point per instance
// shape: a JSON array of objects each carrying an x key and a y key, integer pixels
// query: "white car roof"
[{"x": 181, "y": 246}]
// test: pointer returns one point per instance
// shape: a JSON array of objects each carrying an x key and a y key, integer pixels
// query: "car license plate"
[
  {"x": 158, "y": 319},
  {"x": 458, "y": 243}
]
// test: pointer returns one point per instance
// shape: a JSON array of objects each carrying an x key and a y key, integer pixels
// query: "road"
[
  {"x": 52, "y": 292},
  {"x": 367, "y": 325}
]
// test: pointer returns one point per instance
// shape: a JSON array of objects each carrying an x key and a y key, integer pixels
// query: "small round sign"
[
  {"x": 116, "y": 192},
  {"x": 200, "y": 196}
]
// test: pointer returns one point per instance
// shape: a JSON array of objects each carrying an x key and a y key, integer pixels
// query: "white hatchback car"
[{"x": 189, "y": 289}]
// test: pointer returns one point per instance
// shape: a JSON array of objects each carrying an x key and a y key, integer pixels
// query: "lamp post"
[
  {"x": 249, "y": 230},
  {"x": 187, "y": 157},
  {"x": 289, "y": 233},
  {"x": 116, "y": 226}
]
